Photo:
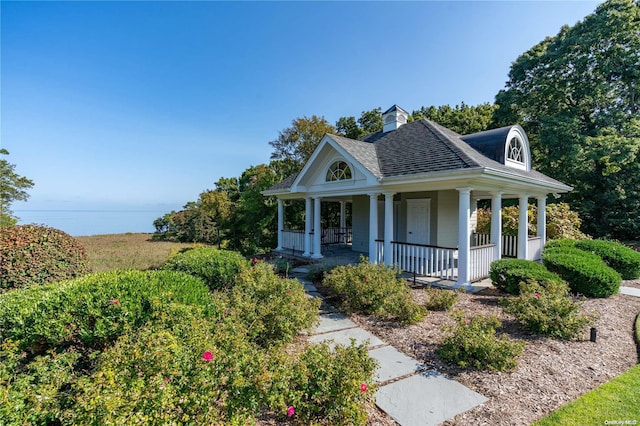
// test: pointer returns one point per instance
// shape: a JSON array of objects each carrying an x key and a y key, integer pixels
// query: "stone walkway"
[{"x": 408, "y": 392}]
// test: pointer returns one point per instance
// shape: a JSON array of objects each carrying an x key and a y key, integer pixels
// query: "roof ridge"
[{"x": 433, "y": 127}]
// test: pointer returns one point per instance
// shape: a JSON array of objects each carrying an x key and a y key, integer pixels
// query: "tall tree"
[
  {"x": 296, "y": 143},
  {"x": 576, "y": 95},
  {"x": 12, "y": 188},
  {"x": 463, "y": 119}
]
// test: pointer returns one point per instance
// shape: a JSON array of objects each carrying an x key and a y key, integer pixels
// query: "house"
[{"x": 413, "y": 189}]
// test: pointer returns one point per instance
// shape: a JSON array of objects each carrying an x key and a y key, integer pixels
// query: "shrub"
[
  {"x": 440, "y": 300},
  {"x": 217, "y": 268},
  {"x": 586, "y": 273},
  {"x": 92, "y": 310},
  {"x": 274, "y": 309},
  {"x": 373, "y": 289},
  {"x": 622, "y": 259},
  {"x": 549, "y": 311},
  {"x": 561, "y": 243},
  {"x": 32, "y": 254},
  {"x": 472, "y": 343},
  {"x": 507, "y": 274}
]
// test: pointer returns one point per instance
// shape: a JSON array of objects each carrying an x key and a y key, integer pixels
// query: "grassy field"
[
  {"x": 127, "y": 251},
  {"x": 615, "y": 402}
]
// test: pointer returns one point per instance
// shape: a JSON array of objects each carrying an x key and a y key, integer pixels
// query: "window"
[
  {"x": 339, "y": 170},
  {"x": 515, "y": 152}
]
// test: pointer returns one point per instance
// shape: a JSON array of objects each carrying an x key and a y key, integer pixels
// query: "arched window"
[
  {"x": 515, "y": 151},
  {"x": 339, "y": 170}
]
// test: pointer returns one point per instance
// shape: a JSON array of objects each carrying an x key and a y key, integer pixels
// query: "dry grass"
[{"x": 127, "y": 251}]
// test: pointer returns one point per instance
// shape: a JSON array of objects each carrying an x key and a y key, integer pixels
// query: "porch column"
[
  {"x": 343, "y": 222},
  {"x": 317, "y": 231},
  {"x": 307, "y": 227},
  {"x": 496, "y": 224},
  {"x": 388, "y": 227},
  {"x": 280, "y": 223},
  {"x": 542, "y": 220},
  {"x": 523, "y": 228},
  {"x": 464, "y": 237},
  {"x": 373, "y": 227}
]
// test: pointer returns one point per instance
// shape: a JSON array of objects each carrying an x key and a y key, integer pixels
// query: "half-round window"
[
  {"x": 339, "y": 170},
  {"x": 516, "y": 151}
]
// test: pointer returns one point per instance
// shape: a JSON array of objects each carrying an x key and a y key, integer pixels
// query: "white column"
[
  {"x": 343, "y": 222},
  {"x": 464, "y": 237},
  {"x": 307, "y": 226},
  {"x": 280, "y": 223},
  {"x": 542, "y": 220},
  {"x": 388, "y": 227},
  {"x": 523, "y": 225},
  {"x": 373, "y": 226},
  {"x": 317, "y": 231},
  {"x": 496, "y": 224}
]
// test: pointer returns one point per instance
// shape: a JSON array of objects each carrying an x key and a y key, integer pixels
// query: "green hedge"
[
  {"x": 560, "y": 243},
  {"x": 624, "y": 260},
  {"x": 507, "y": 274},
  {"x": 586, "y": 273},
  {"x": 31, "y": 254},
  {"x": 217, "y": 268}
]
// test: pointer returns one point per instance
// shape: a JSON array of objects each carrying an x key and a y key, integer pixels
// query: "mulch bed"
[{"x": 550, "y": 372}]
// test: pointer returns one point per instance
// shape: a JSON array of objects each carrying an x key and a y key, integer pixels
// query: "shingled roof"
[{"x": 422, "y": 147}]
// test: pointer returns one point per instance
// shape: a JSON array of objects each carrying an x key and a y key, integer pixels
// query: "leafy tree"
[
  {"x": 463, "y": 119},
  {"x": 576, "y": 95},
  {"x": 370, "y": 121},
  {"x": 296, "y": 143},
  {"x": 12, "y": 188},
  {"x": 348, "y": 127}
]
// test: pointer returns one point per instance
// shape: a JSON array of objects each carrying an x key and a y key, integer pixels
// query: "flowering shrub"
[
  {"x": 217, "y": 268},
  {"x": 32, "y": 254},
  {"x": 586, "y": 273},
  {"x": 622, "y": 259},
  {"x": 440, "y": 300},
  {"x": 507, "y": 274},
  {"x": 549, "y": 311},
  {"x": 472, "y": 343},
  {"x": 373, "y": 289}
]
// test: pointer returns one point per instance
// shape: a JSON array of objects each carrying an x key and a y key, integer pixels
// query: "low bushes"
[
  {"x": 548, "y": 310},
  {"x": 622, "y": 259},
  {"x": 472, "y": 343},
  {"x": 31, "y": 254},
  {"x": 373, "y": 289},
  {"x": 586, "y": 273},
  {"x": 507, "y": 274},
  {"x": 217, "y": 268},
  {"x": 440, "y": 300}
]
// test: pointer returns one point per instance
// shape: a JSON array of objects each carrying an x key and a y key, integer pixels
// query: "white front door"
[{"x": 418, "y": 220}]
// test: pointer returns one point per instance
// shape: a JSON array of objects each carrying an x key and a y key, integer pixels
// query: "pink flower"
[
  {"x": 115, "y": 301},
  {"x": 288, "y": 291},
  {"x": 537, "y": 295},
  {"x": 255, "y": 260},
  {"x": 291, "y": 411},
  {"x": 166, "y": 380},
  {"x": 363, "y": 387},
  {"x": 366, "y": 278},
  {"x": 207, "y": 356}
]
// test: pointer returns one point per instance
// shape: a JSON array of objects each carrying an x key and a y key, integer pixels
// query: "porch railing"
[
  {"x": 426, "y": 260},
  {"x": 480, "y": 261},
  {"x": 293, "y": 239},
  {"x": 534, "y": 248},
  {"x": 336, "y": 235},
  {"x": 509, "y": 243}
]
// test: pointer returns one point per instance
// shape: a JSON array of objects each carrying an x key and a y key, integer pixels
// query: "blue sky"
[{"x": 139, "y": 105}]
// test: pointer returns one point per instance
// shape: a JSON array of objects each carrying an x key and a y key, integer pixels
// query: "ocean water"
[{"x": 92, "y": 222}]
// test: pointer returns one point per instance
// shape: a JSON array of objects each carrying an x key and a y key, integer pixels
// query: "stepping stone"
[
  {"x": 313, "y": 294},
  {"x": 333, "y": 322},
  {"x": 310, "y": 287},
  {"x": 426, "y": 399},
  {"x": 630, "y": 291},
  {"x": 393, "y": 364},
  {"x": 343, "y": 337},
  {"x": 301, "y": 270},
  {"x": 326, "y": 308}
]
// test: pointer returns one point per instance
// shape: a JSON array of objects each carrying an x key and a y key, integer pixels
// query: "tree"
[
  {"x": 576, "y": 95},
  {"x": 463, "y": 119},
  {"x": 12, "y": 188},
  {"x": 297, "y": 143}
]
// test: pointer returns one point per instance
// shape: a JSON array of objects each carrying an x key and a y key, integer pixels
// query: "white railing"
[
  {"x": 336, "y": 235},
  {"x": 293, "y": 239},
  {"x": 431, "y": 261},
  {"x": 379, "y": 254},
  {"x": 534, "y": 248},
  {"x": 480, "y": 261},
  {"x": 509, "y": 243}
]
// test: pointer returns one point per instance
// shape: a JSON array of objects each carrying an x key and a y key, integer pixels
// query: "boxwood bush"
[
  {"x": 31, "y": 254},
  {"x": 624, "y": 260},
  {"x": 586, "y": 273},
  {"x": 217, "y": 268},
  {"x": 373, "y": 289},
  {"x": 507, "y": 274}
]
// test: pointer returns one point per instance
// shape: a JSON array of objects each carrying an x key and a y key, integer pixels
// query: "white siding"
[
  {"x": 360, "y": 223},
  {"x": 447, "y": 234}
]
